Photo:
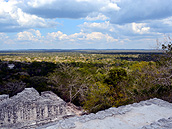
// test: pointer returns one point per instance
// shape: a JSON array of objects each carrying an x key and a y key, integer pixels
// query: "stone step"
[{"x": 151, "y": 114}]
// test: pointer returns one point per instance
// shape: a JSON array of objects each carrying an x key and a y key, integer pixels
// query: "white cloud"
[
  {"x": 93, "y": 36},
  {"x": 109, "y": 7},
  {"x": 119, "y": 11},
  {"x": 79, "y": 37},
  {"x": 14, "y": 19},
  {"x": 31, "y": 35},
  {"x": 17, "y": 15},
  {"x": 167, "y": 21},
  {"x": 140, "y": 28},
  {"x": 27, "y": 20},
  {"x": 5, "y": 40},
  {"x": 101, "y": 27},
  {"x": 161, "y": 26},
  {"x": 130, "y": 31},
  {"x": 141, "y": 10},
  {"x": 3, "y": 36},
  {"x": 69, "y": 8},
  {"x": 135, "y": 30},
  {"x": 94, "y": 17},
  {"x": 114, "y": 20},
  {"x": 57, "y": 36},
  {"x": 39, "y": 3}
]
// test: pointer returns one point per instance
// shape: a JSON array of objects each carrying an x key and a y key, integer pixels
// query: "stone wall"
[
  {"x": 29, "y": 109},
  {"x": 150, "y": 114}
]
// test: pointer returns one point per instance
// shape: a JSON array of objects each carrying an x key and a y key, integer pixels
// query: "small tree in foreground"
[{"x": 70, "y": 82}]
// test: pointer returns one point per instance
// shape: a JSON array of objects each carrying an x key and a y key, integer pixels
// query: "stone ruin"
[
  {"x": 29, "y": 109},
  {"x": 3, "y": 97},
  {"x": 150, "y": 114}
]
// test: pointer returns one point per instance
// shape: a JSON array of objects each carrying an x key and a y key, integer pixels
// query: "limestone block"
[
  {"x": 28, "y": 108},
  {"x": 3, "y": 97}
]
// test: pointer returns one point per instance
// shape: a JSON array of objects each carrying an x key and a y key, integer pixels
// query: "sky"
[{"x": 84, "y": 24}]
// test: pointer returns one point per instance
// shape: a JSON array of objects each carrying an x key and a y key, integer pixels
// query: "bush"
[{"x": 115, "y": 76}]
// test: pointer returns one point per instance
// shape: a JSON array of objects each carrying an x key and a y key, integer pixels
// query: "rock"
[
  {"x": 71, "y": 108},
  {"x": 3, "y": 97},
  {"x": 150, "y": 114},
  {"x": 160, "y": 124},
  {"x": 29, "y": 109}
]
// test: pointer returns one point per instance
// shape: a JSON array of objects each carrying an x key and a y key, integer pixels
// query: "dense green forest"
[{"x": 93, "y": 79}]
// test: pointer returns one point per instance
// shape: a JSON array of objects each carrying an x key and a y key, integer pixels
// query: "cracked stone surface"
[{"x": 151, "y": 114}]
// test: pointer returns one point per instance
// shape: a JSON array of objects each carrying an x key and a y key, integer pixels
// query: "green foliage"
[
  {"x": 12, "y": 87},
  {"x": 97, "y": 98},
  {"x": 71, "y": 82},
  {"x": 40, "y": 68},
  {"x": 39, "y": 83},
  {"x": 115, "y": 76},
  {"x": 94, "y": 81}
]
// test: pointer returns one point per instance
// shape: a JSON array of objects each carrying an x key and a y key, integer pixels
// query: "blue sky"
[{"x": 84, "y": 24}]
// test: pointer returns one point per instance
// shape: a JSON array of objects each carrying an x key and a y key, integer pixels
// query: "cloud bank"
[{"x": 117, "y": 23}]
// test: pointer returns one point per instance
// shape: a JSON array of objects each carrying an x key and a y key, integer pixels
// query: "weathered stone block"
[
  {"x": 28, "y": 108},
  {"x": 3, "y": 97}
]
